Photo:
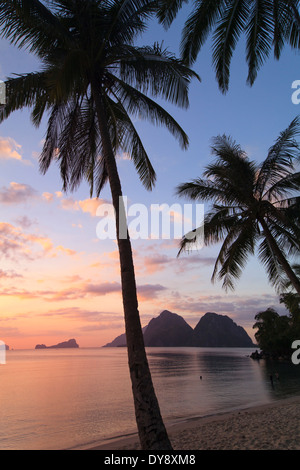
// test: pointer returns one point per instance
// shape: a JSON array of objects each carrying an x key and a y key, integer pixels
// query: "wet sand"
[{"x": 275, "y": 426}]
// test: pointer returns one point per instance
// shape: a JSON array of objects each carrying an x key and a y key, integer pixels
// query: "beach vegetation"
[
  {"x": 274, "y": 333},
  {"x": 277, "y": 334}
]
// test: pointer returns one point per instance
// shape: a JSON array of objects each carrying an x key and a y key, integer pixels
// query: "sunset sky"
[{"x": 59, "y": 281}]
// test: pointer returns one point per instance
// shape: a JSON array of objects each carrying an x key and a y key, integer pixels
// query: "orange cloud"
[
  {"x": 14, "y": 243},
  {"x": 88, "y": 206},
  {"x": 48, "y": 197},
  {"x": 62, "y": 249},
  {"x": 9, "y": 149}
]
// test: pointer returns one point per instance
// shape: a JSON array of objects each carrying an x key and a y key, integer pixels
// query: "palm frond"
[
  {"x": 23, "y": 91},
  {"x": 280, "y": 160},
  {"x": 155, "y": 70},
  {"x": 231, "y": 166},
  {"x": 273, "y": 268},
  {"x": 293, "y": 29},
  {"x": 29, "y": 23},
  {"x": 140, "y": 105},
  {"x": 127, "y": 19},
  {"x": 283, "y": 187},
  {"x": 220, "y": 222},
  {"x": 281, "y": 26},
  {"x": 239, "y": 244},
  {"x": 197, "y": 27},
  {"x": 203, "y": 190},
  {"x": 230, "y": 28},
  {"x": 129, "y": 142},
  {"x": 167, "y": 11},
  {"x": 51, "y": 145},
  {"x": 259, "y": 36}
]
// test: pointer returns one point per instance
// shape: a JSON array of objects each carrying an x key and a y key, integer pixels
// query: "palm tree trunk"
[
  {"x": 152, "y": 431},
  {"x": 281, "y": 258}
]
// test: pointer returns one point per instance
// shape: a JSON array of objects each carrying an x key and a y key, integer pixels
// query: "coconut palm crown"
[{"x": 252, "y": 205}]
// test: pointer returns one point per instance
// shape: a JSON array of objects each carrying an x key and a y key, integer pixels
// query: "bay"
[{"x": 67, "y": 399}]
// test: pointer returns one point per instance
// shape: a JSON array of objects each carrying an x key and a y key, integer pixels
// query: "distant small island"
[{"x": 64, "y": 345}]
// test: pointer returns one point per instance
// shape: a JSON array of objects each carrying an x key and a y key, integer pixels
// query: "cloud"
[
  {"x": 88, "y": 206},
  {"x": 9, "y": 149},
  {"x": 149, "y": 291},
  {"x": 93, "y": 319},
  {"x": 158, "y": 262},
  {"x": 9, "y": 274},
  {"x": 48, "y": 197},
  {"x": 78, "y": 313},
  {"x": 124, "y": 156},
  {"x": 82, "y": 290},
  {"x": 25, "y": 222},
  {"x": 9, "y": 331},
  {"x": 79, "y": 291},
  {"x": 62, "y": 249},
  {"x": 241, "y": 309},
  {"x": 17, "y": 193},
  {"x": 15, "y": 244}
]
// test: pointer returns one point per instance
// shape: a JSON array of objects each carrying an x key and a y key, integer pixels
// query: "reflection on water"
[
  {"x": 282, "y": 378},
  {"x": 55, "y": 399},
  {"x": 203, "y": 381}
]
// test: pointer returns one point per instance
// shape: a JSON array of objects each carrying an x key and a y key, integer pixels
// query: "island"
[
  {"x": 64, "y": 345},
  {"x": 171, "y": 330}
]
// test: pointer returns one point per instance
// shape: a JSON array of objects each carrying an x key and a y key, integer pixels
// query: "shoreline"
[{"x": 270, "y": 426}]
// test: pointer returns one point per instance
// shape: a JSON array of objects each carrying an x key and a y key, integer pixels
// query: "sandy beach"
[{"x": 274, "y": 426}]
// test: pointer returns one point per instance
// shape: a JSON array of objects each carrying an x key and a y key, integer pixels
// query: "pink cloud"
[
  {"x": 149, "y": 291},
  {"x": 158, "y": 262},
  {"x": 9, "y": 274},
  {"x": 17, "y": 193},
  {"x": 83, "y": 290}
]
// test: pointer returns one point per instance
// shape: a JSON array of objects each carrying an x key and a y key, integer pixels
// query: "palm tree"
[
  {"x": 266, "y": 25},
  {"x": 92, "y": 81},
  {"x": 291, "y": 301},
  {"x": 274, "y": 334},
  {"x": 250, "y": 205}
]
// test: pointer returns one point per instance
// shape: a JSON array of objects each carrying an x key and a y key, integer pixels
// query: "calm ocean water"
[{"x": 61, "y": 399}]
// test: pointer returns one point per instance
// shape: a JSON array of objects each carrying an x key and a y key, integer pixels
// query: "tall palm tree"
[
  {"x": 250, "y": 206},
  {"x": 266, "y": 25},
  {"x": 92, "y": 81}
]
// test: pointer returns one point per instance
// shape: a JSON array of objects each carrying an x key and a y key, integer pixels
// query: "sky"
[{"x": 58, "y": 280}]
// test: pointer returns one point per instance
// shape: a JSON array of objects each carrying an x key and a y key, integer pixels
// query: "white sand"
[{"x": 275, "y": 426}]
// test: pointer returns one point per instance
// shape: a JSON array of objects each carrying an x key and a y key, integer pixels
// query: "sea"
[{"x": 57, "y": 399}]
